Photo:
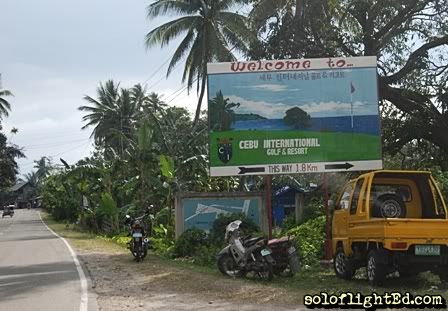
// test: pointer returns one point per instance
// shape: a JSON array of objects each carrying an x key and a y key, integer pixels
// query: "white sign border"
[
  {"x": 310, "y": 167},
  {"x": 330, "y": 63}
]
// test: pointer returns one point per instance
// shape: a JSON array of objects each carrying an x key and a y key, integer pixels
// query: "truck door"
[
  {"x": 341, "y": 210},
  {"x": 356, "y": 206}
]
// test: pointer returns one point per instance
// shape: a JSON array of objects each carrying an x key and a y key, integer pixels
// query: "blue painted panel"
[{"x": 202, "y": 212}]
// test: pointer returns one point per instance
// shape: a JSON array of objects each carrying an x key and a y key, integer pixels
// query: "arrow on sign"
[
  {"x": 338, "y": 166},
  {"x": 245, "y": 170}
]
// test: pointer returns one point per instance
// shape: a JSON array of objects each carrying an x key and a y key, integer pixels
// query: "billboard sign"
[
  {"x": 293, "y": 116},
  {"x": 200, "y": 210}
]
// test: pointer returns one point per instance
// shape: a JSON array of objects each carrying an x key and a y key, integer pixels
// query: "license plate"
[
  {"x": 137, "y": 235},
  {"x": 291, "y": 250},
  {"x": 427, "y": 250},
  {"x": 265, "y": 252}
]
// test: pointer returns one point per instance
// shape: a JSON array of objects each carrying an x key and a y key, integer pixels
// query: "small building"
[
  {"x": 21, "y": 193},
  {"x": 287, "y": 201}
]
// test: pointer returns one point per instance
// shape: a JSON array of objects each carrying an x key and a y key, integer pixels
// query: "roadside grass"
[{"x": 311, "y": 281}]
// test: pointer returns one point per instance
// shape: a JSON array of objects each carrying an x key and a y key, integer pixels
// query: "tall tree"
[
  {"x": 410, "y": 40},
  {"x": 113, "y": 114},
  {"x": 43, "y": 166},
  {"x": 5, "y": 106},
  {"x": 8, "y": 165},
  {"x": 212, "y": 32},
  {"x": 221, "y": 113}
]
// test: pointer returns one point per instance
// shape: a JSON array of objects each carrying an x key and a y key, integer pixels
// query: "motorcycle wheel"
[
  {"x": 267, "y": 274},
  {"x": 228, "y": 266}
]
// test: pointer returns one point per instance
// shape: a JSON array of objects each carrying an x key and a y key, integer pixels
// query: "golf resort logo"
[{"x": 225, "y": 149}]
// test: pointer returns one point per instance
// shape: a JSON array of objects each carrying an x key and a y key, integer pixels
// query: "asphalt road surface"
[{"x": 37, "y": 270}]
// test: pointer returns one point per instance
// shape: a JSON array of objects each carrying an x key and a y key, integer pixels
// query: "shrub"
[
  {"x": 190, "y": 242},
  {"x": 313, "y": 209},
  {"x": 161, "y": 242},
  {"x": 310, "y": 238}
]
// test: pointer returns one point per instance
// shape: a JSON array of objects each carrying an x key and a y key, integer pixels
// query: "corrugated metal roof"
[{"x": 18, "y": 186}]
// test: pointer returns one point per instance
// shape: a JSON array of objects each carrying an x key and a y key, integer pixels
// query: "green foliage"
[
  {"x": 221, "y": 113},
  {"x": 190, "y": 241},
  {"x": 310, "y": 238},
  {"x": 218, "y": 230},
  {"x": 313, "y": 209},
  {"x": 160, "y": 241},
  {"x": 167, "y": 166},
  {"x": 107, "y": 206},
  {"x": 297, "y": 118}
]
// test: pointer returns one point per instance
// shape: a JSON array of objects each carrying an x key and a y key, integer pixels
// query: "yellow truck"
[{"x": 390, "y": 221}]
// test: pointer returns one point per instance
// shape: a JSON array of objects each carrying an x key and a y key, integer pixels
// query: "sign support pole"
[
  {"x": 328, "y": 246},
  {"x": 268, "y": 193}
]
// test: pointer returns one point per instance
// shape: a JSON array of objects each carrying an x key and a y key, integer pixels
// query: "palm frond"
[
  {"x": 165, "y": 33},
  {"x": 163, "y": 7}
]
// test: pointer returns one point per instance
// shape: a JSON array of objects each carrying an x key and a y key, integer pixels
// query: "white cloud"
[
  {"x": 277, "y": 110},
  {"x": 271, "y": 87},
  {"x": 265, "y": 109}
]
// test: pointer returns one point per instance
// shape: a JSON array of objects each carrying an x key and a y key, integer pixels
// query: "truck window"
[
  {"x": 355, "y": 197},
  {"x": 403, "y": 191},
  {"x": 439, "y": 209},
  {"x": 345, "y": 198}
]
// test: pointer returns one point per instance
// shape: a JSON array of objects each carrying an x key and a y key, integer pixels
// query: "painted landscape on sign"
[{"x": 319, "y": 100}]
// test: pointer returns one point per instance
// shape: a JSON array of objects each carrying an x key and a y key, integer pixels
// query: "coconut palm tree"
[
  {"x": 113, "y": 114},
  {"x": 5, "y": 106},
  {"x": 43, "y": 166},
  {"x": 221, "y": 113},
  {"x": 32, "y": 178},
  {"x": 211, "y": 32}
]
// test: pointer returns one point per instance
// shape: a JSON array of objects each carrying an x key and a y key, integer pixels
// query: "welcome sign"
[{"x": 293, "y": 116}]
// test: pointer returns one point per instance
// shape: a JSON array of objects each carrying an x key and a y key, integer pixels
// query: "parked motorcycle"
[
  {"x": 285, "y": 256},
  {"x": 138, "y": 245},
  {"x": 242, "y": 256}
]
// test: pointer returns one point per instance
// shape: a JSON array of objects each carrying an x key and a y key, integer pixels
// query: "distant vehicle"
[
  {"x": 390, "y": 221},
  {"x": 8, "y": 211}
]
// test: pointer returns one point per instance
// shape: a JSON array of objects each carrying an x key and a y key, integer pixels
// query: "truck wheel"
[
  {"x": 342, "y": 265},
  {"x": 376, "y": 271},
  {"x": 389, "y": 205}
]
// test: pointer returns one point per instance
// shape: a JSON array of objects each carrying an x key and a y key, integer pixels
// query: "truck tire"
[
  {"x": 389, "y": 205},
  {"x": 343, "y": 267},
  {"x": 376, "y": 271}
]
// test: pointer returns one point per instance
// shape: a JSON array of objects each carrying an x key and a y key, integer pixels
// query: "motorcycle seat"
[
  {"x": 278, "y": 241},
  {"x": 251, "y": 241}
]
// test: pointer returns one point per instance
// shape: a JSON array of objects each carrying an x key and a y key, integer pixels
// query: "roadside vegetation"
[
  {"x": 147, "y": 151},
  {"x": 194, "y": 273}
]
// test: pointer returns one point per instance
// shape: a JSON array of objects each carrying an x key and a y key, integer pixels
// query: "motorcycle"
[
  {"x": 242, "y": 256},
  {"x": 8, "y": 211},
  {"x": 138, "y": 245},
  {"x": 285, "y": 256}
]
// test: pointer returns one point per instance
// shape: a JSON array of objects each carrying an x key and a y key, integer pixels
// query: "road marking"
[{"x": 84, "y": 297}]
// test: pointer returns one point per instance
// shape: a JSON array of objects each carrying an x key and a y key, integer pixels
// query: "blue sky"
[
  {"x": 54, "y": 52},
  {"x": 320, "y": 97}
]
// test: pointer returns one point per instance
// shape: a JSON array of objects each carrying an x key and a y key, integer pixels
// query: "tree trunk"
[{"x": 201, "y": 96}]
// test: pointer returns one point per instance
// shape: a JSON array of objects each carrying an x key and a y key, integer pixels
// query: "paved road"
[{"x": 37, "y": 271}]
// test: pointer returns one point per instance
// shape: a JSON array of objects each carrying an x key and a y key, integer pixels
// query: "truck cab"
[{"x": 390, "y": 221}]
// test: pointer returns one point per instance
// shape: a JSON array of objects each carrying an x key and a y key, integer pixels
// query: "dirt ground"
[{"x": 123, "y": 284}]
